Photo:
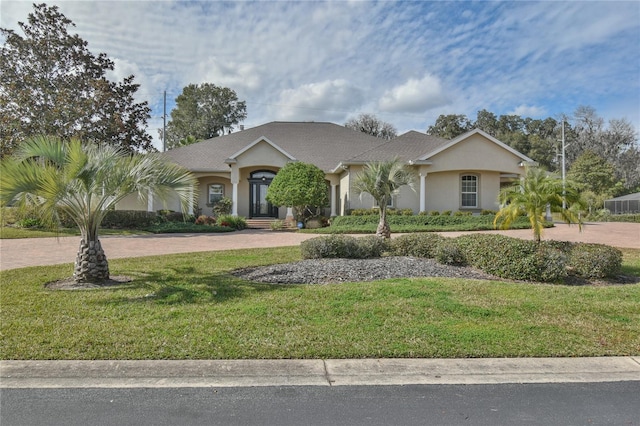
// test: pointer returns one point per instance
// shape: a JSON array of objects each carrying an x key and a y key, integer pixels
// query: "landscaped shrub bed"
[
  {"x": 422, "y": 244},
  {"x": 343, "y": 246},
  {"x": 499, "y": 255},
  {"x": 633, "y": 218},
  {"x": 433, "y": 223}
]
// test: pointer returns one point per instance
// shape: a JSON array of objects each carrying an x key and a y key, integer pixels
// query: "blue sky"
[{"x": 406, "y": 62}]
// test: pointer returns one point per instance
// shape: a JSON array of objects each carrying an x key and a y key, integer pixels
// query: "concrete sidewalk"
[
  {"x": 21, "y": 253},
  {"x": 346, "y": 372}
]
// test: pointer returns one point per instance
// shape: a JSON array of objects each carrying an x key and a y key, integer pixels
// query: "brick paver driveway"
[{"x": 51, "y": 251}]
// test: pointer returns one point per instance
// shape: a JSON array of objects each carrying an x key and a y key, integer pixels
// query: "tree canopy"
[
  {"x": 299, "y": 185},
  {"x": 203, "y": 111},
  {"x": 372, "y": 125},
  {"x": 51, "y": 84}
]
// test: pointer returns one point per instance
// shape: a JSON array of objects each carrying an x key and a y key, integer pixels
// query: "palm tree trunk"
[
  {"x": 91, "y": 263},
  {"x": 383, "y": 230}
]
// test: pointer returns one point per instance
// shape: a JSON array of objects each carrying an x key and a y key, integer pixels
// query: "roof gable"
[
  {"x": 232, "y": 158},
  {"x": 466, "y": 136}
]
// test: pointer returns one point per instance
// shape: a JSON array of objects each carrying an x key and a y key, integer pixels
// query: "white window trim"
[
  {"x": 209, "y": 193},
  {"x": 477, "y": 191}
]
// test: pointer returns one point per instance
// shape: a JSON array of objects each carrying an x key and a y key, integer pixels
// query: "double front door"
[{"x": 258, "y": 185}]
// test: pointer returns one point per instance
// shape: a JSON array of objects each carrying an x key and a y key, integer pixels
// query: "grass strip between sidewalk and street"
[{"x": 188, "y": 306}]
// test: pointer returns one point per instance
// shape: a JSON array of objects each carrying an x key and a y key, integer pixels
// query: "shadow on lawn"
[{"x": 188, "y": 285}]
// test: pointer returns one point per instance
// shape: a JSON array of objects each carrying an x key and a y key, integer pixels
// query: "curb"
[{"x": 345, "y": 372}]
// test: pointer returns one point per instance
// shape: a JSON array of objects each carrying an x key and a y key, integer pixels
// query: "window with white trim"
[
  {"x": 216, "y": 192},
  {"x": 469, "y": 191}
]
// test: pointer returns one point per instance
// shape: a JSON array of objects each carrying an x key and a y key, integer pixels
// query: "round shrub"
[
  {"x": 417, "y": 245},
  {"x": 551, "y": 264},
  {"x": 330, "y": 246},
  {"x": 343, "y": 246},
  {"x": 512, "y": 258},
  {"x": 205, "y": 220},
  {"x": 447, "y": 252},
  {"x": 371, "y": 246},
  {"x": 594, "y": 260}
]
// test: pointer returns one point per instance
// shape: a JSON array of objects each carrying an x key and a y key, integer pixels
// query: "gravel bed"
[{"x": 324, "y": 271}]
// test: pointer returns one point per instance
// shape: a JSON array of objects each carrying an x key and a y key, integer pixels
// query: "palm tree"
[
  {"x": 382, "y": 180},
  {"x": 531, "y": 196},
  {"x": 84, "y": 181}
]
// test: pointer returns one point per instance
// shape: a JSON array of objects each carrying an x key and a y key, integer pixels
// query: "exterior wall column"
[
  {"x": 234, "y": 198},
  {"x": 150, "y": 202},
  {"x": 334, "y": 189},
  {"x": 423, "y": 190},
  {"x": 235, "y": 180}
]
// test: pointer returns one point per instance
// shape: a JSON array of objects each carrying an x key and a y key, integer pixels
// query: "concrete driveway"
[{"x": 21, "y": 253}]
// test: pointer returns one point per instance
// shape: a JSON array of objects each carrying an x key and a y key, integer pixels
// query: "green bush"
[
  {"x": 551, "y": 264},
  {"x": 406, "y": 212},
  {"x": 29, "y": 222},
  {"x": 446, "y": 213},
  {"x": 223, "y": 206},
  {"x": 447, "y": 252},
  {"x": 371, "y": 246},
  {"x": 422, "y": 244},
  {"x": 205, "y": 220},
  {"x": 127, "y": 219},
  {"x": 343, "y": 246},
  {"x": 234, "y": 222},
  {"x": 512, "y": 258},
  {"x": 186, "y": 227},
  {"x": 463, "y": 213},
  {"x": 633, "y": 218},
  {"x": 594, "y": 260}
]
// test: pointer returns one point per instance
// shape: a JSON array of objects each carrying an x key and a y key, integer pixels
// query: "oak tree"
[{"x": 52, "y": 84}]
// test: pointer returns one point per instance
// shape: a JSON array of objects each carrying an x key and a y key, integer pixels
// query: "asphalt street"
[{"x": 564, "y": 404}]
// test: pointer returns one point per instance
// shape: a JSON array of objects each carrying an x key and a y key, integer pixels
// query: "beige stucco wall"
[
  {"x": 442, "y": 190},
  {"x": 475, "y": 153},
  {"x": 203, "y": 190}
]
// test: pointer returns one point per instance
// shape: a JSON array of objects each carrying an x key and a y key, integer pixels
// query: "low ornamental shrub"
[
  {"x": 594, "y": 260},
  {"x": 343, "y": 246},
  {"x": 128, "y": 219},
  {"x": 447, "y": 252},
  {"x": 205, "y": 220},
  {"x": 234, "y": 222},
  {"x": 512, "y": 258},
  {"x": 421, "y": 244}
]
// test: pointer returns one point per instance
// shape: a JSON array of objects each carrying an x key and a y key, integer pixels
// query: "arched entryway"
[{"x": 259, "y": 182}]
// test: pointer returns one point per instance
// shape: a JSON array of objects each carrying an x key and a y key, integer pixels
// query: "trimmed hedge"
[
  {"x": 499, "y": 255},
  {"x": 422, "y": 244},
  {"x": 429, "y": 222},
  {"x": 594, "y": 260},
  {"x": 343, "y": 246}
]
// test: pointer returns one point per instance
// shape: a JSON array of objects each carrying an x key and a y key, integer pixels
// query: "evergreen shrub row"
[{"x": 499, "y": 255}]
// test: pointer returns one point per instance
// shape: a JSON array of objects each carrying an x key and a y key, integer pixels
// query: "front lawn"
[{"x": 188, "y": 306}]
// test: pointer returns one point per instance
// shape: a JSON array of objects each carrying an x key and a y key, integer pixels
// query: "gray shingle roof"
[
  {"x": 324, "y": 144},
  {"x": 407, "y": 147}
]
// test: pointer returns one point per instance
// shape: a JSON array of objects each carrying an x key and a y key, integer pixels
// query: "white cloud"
[
  {"x": 528, "y": 111},
  {"x": 326, "y": 100},
  {"x": 406, "y": 62},
  {"x": 414, "y": 96}
]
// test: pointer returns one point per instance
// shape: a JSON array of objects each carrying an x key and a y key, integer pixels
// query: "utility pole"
[
  {"x": 564, "y": 172},
  {"x": 164, "y": 125}
]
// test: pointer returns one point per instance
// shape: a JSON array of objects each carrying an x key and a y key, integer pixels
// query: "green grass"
[{"x": 188, "y": 306}]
